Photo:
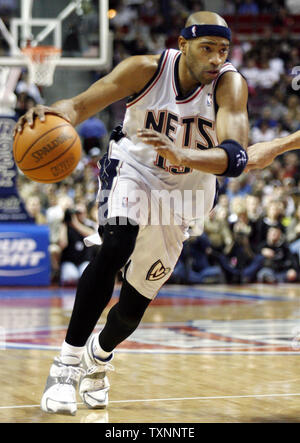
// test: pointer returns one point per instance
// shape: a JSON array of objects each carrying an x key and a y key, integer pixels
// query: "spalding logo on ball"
[{"x": 49, "y": 151}]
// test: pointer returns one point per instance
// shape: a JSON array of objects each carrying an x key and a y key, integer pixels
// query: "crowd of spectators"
[{"x": 253, "y": 234}]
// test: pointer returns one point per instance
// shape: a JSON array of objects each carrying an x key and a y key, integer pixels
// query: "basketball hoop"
[{"x": 42, "y": 62}]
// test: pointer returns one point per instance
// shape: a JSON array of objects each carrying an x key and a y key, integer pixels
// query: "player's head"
[{"x": 204, "y": 43}]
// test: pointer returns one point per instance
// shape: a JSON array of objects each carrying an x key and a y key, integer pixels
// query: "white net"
[{"x": 42, "y": 61}]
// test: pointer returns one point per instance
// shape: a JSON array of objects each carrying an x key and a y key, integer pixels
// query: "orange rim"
[{"x": 40, "y": 53}]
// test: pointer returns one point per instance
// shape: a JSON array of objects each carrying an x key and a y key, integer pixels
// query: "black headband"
[{"x": 195, "y": 31}]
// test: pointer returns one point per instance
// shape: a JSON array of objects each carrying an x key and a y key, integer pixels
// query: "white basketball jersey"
[{"x": 189, "y": 121}]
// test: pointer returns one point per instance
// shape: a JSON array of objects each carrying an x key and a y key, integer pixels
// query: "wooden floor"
[{"x": 202, "y": 354}]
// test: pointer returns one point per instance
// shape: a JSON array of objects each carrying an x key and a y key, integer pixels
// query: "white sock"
[
  {"x": 71, "y": 355},
  {"x": 98, "y": 351}
]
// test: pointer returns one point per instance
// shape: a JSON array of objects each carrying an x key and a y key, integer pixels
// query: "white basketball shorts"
[{"x": 125, "y": 193}]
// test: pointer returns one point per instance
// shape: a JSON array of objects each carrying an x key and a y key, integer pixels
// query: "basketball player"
[
  {"x": 186, "y": 122},
  {"x": 262, "y": 154}
]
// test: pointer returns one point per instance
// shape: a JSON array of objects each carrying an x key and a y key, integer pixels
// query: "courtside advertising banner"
[
  {"x": 11, "y": 205},
  {"x": 24, "y": 255}
]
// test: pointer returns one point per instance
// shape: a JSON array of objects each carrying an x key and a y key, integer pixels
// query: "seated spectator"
[
  {"x": 293, "y": 233},
  {"x": 267, "y": 77},
  {"x": 55, "y": 215},
  {"x": 280, "y": 264},
  {"x": 30, "y": 89},
  {"x": 228, "y": 7},
  {"x": 254, "y": 219},
  {"x": 274, "y": 213},
  {"x": 237, "y": 206},
  {"x": 93, "y": 158},
  {"x": 241, "y": 264},
  {"x": 8, "y": 8},
  {"x": 281, "y": 18},
  {"x": 283, "y": 193},
  {"x": 291, "y": 165},
  {"x": 281, "y": 130},
  {"x": 217, "y": 230},
  {"x": 55, "y": 212},
  {"x": 156, "y": 42},
  {"x": 24, "y": 103},
  {"x": 277, "y": 64},
  {"x": 75, "y": 256},
  {"x": 293, "y": 107},
  {"x": 193, "y": 266},
  {"x": 248, "y": 7},
  {"x": 33, "y": 207},
  {"x": 266, "y": 116},
  {"x": 290, "y": 123},
  {"x": 250, "y": 72},
  {"x": 237, "y": 187},
  {"x": 253, "y": 207},
  {"x": 92, "y": 131},
  {"x": 223, "y": 202},
  {"x": 263, "y": 132},
  {"x": 277, "y": 108}
]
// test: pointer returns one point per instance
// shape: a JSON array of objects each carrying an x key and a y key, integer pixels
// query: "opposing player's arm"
[
  {"x": 262, "y": 154},
  {"x": 229, "y": 157},
  {"x": 126, "y": 79}
]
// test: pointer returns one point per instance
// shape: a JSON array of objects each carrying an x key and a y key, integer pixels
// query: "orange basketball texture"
[{"x": 49, "y": 151}]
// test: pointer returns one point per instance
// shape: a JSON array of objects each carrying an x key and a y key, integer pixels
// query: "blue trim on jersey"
[
  {"x": 108, "y": 171},
  {"x": 216, "y": 195},
  {"x": 179, "y": 95},
  {"x": 216, "y": 85}
]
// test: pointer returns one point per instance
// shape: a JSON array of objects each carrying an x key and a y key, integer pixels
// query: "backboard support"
[{"x": 28, "y": 28}]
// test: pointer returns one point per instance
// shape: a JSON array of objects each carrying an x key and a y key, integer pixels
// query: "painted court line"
[
  {"x": 147, "y": 400},
  {"x": 263, "y": 352}
]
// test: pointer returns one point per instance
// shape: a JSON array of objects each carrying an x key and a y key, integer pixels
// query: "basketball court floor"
[{"x": 202, "y": 354}]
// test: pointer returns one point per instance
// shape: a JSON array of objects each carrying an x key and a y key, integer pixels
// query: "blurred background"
[{"x": 253, "y": 234}]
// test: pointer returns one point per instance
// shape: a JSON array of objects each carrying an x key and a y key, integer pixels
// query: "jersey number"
[{"x": 163, "y": 124}]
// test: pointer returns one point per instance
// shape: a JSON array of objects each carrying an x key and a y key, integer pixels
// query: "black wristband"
[{"x": 237, "y": 158}]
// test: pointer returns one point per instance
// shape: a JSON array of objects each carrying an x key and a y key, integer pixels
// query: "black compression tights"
[
  {"x": 95, "y": 289},
  {"x": 123, "y": 318}
]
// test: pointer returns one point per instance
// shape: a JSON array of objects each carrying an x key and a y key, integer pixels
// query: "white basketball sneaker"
[
  {"x": 60, "y": 392},
  {"x": 94, "y": 384}
]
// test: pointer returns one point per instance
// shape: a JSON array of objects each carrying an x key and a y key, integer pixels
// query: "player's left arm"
[
  {"x": 232, "y": 117},
  {"x": 232, "y": 127}
]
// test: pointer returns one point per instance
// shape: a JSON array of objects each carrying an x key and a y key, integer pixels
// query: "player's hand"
[
  {"x": 162, "y": 145},
  {"x": 260, "y": 155},
  {"x": 38, "y": 111}
]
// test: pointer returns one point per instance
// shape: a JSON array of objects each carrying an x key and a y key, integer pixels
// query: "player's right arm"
[
  {"x": 126, "y": 79},
  {"x": 262, "y": 154}
]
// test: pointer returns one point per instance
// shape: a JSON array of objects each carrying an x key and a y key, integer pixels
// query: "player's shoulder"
[
  {"x": 229, "y": 76},
  {"x": 145, "y": 64},
  {"x": 230, "y": 79},
  {"x": 231, "y": 90},
  {"x": 139, "y": 70}
]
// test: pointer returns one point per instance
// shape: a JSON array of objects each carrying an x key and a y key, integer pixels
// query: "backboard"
[{"x": 79, "y": 28}]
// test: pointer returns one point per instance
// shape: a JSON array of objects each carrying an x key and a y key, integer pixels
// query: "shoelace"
[
  {"x": 69, "y": 373},
  {"x": 99, "y": 383},
  {"x": 100, "y": 368}
]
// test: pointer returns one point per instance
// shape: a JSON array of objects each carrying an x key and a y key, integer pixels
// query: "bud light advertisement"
[{"x": 24, "y": 256}]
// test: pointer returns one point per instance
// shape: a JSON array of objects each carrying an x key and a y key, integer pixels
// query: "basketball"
[{"x": 49, "y": 151}]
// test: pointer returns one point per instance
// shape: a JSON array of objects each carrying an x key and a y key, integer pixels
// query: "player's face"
[{"x": 205, "y": 56}]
